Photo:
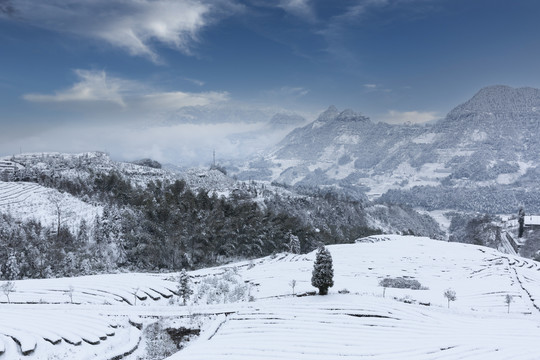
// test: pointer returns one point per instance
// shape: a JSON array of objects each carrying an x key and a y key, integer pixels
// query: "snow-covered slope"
[
  {"x": 406, "y": 324},
  {"x": 30, "y": 201},
  {"x": 353, "y": 321}
]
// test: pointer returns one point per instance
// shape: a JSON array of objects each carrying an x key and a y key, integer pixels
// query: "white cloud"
[
  {"x": 178, "y": 99},
  {"x": 97, "y": 86},
  {"x": 182, "y": 144},
  {"x": 409, "y": 117},
  {"x": 130, "y": 25},
  {"x": 195, "y": 81},
  {"x": 288, "y": 92},
  {"x": 93, "y": 86},
  {"x": 301, "y": 8}
]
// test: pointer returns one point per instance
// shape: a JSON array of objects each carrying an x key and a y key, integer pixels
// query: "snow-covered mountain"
[{"x": 490, "y": 140}]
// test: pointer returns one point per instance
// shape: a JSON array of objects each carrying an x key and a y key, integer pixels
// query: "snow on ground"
[
  {"x": 24, "y": 200},
  {"x": 354, "y": 321}
]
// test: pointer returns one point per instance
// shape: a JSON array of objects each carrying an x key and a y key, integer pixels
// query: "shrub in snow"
[
  {"x": 159, "y": 344},
  {"x": 322, "y": 276},
  {"x": 450, "y": 295},
  {"x": 184, "y": 286},
  {"x": 400, "y": 283},
  {"x": 228, "y": 287}
]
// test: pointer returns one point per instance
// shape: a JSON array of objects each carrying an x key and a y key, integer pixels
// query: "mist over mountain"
[{"x": 488, "y": 144}]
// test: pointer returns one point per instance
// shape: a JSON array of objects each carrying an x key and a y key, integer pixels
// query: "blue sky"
[{"x": 82, "y": 75}]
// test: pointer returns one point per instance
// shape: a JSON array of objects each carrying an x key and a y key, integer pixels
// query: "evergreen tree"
[
  {"x": 323, "y": 273},
  {"x": 184, "y": 286},
  {"x": 521, "y": 221},
  {"x": 294, "y": 244},
  {"x": 12, "y": 269}
]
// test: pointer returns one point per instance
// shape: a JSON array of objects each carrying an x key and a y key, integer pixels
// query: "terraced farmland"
[
  {"x": 32, "y": 201},
  {"x": 354, "y": 321}
]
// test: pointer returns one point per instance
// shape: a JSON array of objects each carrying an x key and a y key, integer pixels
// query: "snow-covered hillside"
[
  {"x": 353, "y": 321},
  {"x": 30, "y": 201},
  {"x": 81, "y": 165}
]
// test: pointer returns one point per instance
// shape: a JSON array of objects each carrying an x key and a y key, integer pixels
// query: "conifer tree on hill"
[
  {"x": 323, "y": 272},
  {"x": 184, "y": 286}
]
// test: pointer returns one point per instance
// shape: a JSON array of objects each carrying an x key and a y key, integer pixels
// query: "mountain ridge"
[{"x": 489, "y": 140}]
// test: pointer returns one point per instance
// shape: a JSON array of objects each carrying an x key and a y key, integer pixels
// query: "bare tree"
[
  {"x": 7, "y": 288},
  {"x": 508, "y": 300},
  {"x": 293, "y": 285},
  {"x": 450, "y": 295},
  {"x": 135, "y": 295},
  {"x": 69, "y": 292}
]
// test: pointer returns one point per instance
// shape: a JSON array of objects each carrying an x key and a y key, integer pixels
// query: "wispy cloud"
[
  {"x": 287, "y": 92},
  {"x": 300, "y": 8},
  {"x": 195, "y": 81},
  {"x": 409, "y": 117},
  {"x": 370, "y": 88},
  {"x": 97, "y": 86},
  {"x": 178, "y": 99},
  {"x": 131, "y": 25},
  {"x": 338, "y": 26},
  {"x": 93, "y": 86}
]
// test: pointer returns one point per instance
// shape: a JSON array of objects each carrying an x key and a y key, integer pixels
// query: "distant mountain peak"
[
  {"x": 350, "y": 115},
  {"x": 501, "y": 99},
  {"x": 333, "y": 114},
  {"x": 329, "y": 114}
]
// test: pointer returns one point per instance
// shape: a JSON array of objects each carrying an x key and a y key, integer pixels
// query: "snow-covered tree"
[
  {"x": 7, "y": 288},
  {"x": 323, "y": 273},
  {"x": 294, "y": 244},
  {"x": 521, "y": 221},
  {"x": 12, "y": 268},
  {"x": 184, "y": 286},
  {"x": 450, "y": 295}
]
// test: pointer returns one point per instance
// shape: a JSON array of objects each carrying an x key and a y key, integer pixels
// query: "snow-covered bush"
[
  {"x": 401, "y": 283},
  {"x": 159, "y": 344},
  {"x": 226, "y": 288}
]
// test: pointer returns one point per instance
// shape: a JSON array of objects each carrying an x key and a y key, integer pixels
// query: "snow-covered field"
[{"x": 354, "y": 321}]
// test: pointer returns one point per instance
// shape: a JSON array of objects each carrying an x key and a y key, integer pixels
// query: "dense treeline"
[
  {"x": 487, "y": 199},
  {"x": 165, "y": 226},
  {"x": 479, "y": 229}
]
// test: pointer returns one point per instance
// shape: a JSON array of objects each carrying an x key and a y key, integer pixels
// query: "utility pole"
[{"x": 214, "y": 162}]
